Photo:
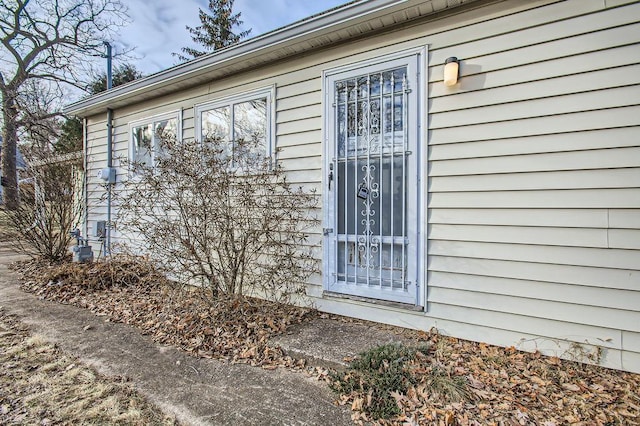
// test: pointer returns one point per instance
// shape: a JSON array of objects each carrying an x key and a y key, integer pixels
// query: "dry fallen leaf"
[
  {"x": 449, "y": 418},
  {"x": 571, "y": 387},
  {"x": 537, "y": 380}
]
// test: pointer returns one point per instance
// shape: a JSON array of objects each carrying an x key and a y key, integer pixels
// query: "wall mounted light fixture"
[{"x": 450, "y": 71}]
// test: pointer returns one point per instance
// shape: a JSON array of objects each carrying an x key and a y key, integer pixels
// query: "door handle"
[{"x": 330, "y": 175}]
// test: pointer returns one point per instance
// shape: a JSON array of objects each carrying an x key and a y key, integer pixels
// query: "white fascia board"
[{"x": 276, "y": 39}]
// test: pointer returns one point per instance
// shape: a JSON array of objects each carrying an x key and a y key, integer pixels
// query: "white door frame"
[{"x": 415, "y": 60}]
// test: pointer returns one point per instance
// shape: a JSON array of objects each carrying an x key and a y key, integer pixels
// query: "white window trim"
[
  {"x": 177, "y": 114},
  {"x": 269, "y": 92}
]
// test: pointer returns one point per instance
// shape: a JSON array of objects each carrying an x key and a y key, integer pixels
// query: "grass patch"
[
  {"x": 449, "y": 388},
  {"x": 39, "y": 384}
]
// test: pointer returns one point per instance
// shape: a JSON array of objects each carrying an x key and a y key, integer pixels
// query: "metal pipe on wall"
[
  {"x": 109, "y": 75},
  {"x": 107, "y": 246},
  {"x": 85, "y": 177}
]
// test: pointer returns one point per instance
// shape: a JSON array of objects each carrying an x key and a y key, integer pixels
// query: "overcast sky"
[{"x": 157, "y": 27}]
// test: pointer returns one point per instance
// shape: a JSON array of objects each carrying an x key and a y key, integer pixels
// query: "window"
[
  {"x": 246, "y": 117},
  {"x": 146, "y": 137}
]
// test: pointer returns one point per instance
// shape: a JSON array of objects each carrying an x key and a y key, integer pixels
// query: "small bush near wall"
[
  {"x": 225, "y": 218},
  {"x": 378, "y": 374},
  {"x": 49, "y": 208}
]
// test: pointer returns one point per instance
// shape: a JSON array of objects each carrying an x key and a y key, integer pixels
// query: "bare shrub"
[
  {"x": 228, "y": 220},
  {"x": 49, "y": 207}
]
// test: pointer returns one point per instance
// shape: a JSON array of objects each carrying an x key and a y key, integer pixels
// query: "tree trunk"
[{"x": 9, "y": 143}]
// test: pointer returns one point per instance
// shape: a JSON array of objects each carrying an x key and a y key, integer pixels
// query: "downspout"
[
  {"x": 107, "y": 247},
  {"x": 85, "y": 179}
]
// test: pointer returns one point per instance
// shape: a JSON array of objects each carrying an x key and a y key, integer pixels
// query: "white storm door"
[{"x": 372, "y": 182}]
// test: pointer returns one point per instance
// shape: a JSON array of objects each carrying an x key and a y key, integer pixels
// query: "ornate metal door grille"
[{"x": 371, "y": 159}]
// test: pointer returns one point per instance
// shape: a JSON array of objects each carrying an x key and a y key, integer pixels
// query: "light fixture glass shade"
[{"x": 450, "y": 71}]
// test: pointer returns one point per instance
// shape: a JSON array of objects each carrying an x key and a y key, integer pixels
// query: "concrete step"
[{"x": 331, "y": 342}]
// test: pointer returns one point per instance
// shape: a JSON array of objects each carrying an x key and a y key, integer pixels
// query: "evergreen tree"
[
  {"x": 216, "y": 30},
  {"x": 70, "y": 137},
  {"x": 122, "y": 74}
]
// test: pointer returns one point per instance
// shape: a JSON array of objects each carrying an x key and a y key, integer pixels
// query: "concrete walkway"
[{"x": 196, "y": 391}]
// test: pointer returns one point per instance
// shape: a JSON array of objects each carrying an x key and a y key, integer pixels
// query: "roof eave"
[{"x": 315, "y": 26}]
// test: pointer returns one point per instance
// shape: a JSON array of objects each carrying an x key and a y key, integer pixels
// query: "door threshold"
[{"x": 386, "y": 303}]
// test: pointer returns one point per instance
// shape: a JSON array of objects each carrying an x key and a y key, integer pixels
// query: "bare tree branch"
[{"x": 46, "y": 41}]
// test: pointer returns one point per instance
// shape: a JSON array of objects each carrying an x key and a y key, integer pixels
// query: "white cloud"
[
  {"x": 157, "y": 27},
  {"x": 157, "y": 30}
]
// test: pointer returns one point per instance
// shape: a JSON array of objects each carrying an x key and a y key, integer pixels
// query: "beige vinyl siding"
[
  {"x": 616, "y": 299},
  {"x": 96, "y": 160},
  {"x": 583, "y": 179},
  {"x": 533, "y": 203},
  {"x": 530, "y": 158},
  {"x": 557, "y": 255},
  {"x": 535, "y": 144}
]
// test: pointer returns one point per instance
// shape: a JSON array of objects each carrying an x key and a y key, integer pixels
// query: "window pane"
[
  {"x": 216, "y": 127},
  {"x": 164, "y": 130},
  {"x": 250, "y": 124},
  {"x": 142, "y": 144},
  {"x": 216, "y": 124}
]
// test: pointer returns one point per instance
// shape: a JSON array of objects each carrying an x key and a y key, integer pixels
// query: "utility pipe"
[
  {"x": 85, "y": 177},
  {"x": 109, "y": 74},
  {"x": 107, "y": 247}
]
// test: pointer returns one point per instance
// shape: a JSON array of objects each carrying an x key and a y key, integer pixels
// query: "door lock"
[{"x": 363, "y": 191}]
